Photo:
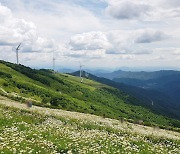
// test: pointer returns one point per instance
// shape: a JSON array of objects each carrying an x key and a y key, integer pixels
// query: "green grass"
[
  {"x": 56, "y": 90},
  {"x": 24, "y": 131}
]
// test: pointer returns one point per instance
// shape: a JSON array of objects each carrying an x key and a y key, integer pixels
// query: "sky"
[{"x": 107, "y": 34}]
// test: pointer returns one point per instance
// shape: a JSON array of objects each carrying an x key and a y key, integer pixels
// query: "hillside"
[
  {"x": 166, "y": 83},
  {"x": 66, "y": 92},
  {"x": 42, "y": 130},
  {"x": 169, "y": 85},
  {"x": 162, "y": 103}
]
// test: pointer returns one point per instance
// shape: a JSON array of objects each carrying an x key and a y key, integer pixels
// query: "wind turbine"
[
  {"x": 80, "y": 72},
  {"x": 17, "y": 53},
  {"x": 87, "y": 74},
  {"x": 54, "y": 60},
  {"x": 152, "y": 103}
]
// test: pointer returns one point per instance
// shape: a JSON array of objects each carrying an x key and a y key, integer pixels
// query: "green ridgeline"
[{"x": 56, "y": 90}]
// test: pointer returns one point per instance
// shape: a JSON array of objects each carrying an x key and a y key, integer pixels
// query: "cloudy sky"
[{"x": 98, "y": 33}]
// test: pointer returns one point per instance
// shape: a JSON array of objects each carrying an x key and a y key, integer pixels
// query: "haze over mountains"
[{"x": 141, "y": 75}]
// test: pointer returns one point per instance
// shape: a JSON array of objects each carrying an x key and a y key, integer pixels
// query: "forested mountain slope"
[{"x": 152, "y": 99}]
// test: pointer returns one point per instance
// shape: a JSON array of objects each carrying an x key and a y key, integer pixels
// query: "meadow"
[{"x": 44, "y": 130}]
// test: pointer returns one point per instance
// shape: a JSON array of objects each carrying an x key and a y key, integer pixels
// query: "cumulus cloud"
[
  {"x": 129, "y": 49},
  {"x": 143, "y": 10},
  {"x": 149, "y": 36},
  {"x": 58, "y": 19},
  {"x": 40, "y": 45},
  {"x": 127, "y": 10},
  {"x": 169, "y": 3},
  {"x": 113, "y": 42},
  {"x": 87, "y": 54},
  {"x": 14, "y": 30},
  {"x": 89, "y": 41},
  {"x": 176, "y": 51}
]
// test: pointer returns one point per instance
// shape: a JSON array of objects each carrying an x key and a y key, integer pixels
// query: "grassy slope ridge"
[
  {"x": 66, "y": 92},
  {"x": 42, "y": 130}
]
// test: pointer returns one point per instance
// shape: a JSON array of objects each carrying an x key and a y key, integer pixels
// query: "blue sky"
[{"x": 99, "y": 33}]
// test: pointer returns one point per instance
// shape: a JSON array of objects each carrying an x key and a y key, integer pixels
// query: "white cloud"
[
  {"x": 130, "y": 49},
  {"x": 87, "y": 54},
  {"x": 168, "y": 3},
  {"x": 134, "y": 41},
  {"x": 14, "y": 30},
  {"x": 127, "y": 57},
  {"x": 127, "y": 10},
  {"x": 58, "y": 19},
  {"x": 114, "y": 42},
  {"x": 176, "y": 51},
  {"x": 149, "y": 36},
  {"x": 148, "y": 10},
  {"x": 88, "y": 30},
  {"x": 89, "y": 41}
]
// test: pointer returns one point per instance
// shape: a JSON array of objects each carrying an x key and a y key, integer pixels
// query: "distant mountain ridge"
[
  {"x": 142, "y": 75},
  {"x": 169, "y": 85}
]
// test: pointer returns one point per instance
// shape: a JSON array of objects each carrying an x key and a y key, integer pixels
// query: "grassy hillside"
[
  {"x": 64, "y": 91},
  {"x": 42, "y": 130}
]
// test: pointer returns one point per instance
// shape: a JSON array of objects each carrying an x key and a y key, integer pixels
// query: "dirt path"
[{"x": 144, "y": 130}]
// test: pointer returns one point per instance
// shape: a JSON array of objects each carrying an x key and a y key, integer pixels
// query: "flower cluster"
[{"x": 41, "y": 130}]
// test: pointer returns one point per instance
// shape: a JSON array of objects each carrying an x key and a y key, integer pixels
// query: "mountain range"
[{"x": 160, "y": 87}]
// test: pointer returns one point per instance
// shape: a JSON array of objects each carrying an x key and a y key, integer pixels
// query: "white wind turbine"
[
  {"x": 17, "y": 53},
  {"x": 54, "y": 61},
  {"x": 80, "y": 71}
]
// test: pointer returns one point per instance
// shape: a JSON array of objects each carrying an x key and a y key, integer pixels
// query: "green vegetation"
[
  {"x": 160, "y": 87},
  {"x": 64, "y": 91},
  {"x": 24, "y": 130}
]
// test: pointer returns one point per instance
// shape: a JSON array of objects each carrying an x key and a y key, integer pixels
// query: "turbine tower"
[
  {"x": 152, "y": 103},
  {"x": 80, "y": 72},
  {"x": 86, "y": 74},
  {"x": 17, "y": 53},
  {"x": 54, "y": 60}
]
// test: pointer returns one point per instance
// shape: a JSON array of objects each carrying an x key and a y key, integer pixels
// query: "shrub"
[{"x": 5, "y": 75}]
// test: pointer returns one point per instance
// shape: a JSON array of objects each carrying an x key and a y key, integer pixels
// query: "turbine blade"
[{"x": 18, "y": 46}]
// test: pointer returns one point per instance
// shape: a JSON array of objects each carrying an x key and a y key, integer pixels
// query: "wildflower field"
[{"x": 43, "y": 130}]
